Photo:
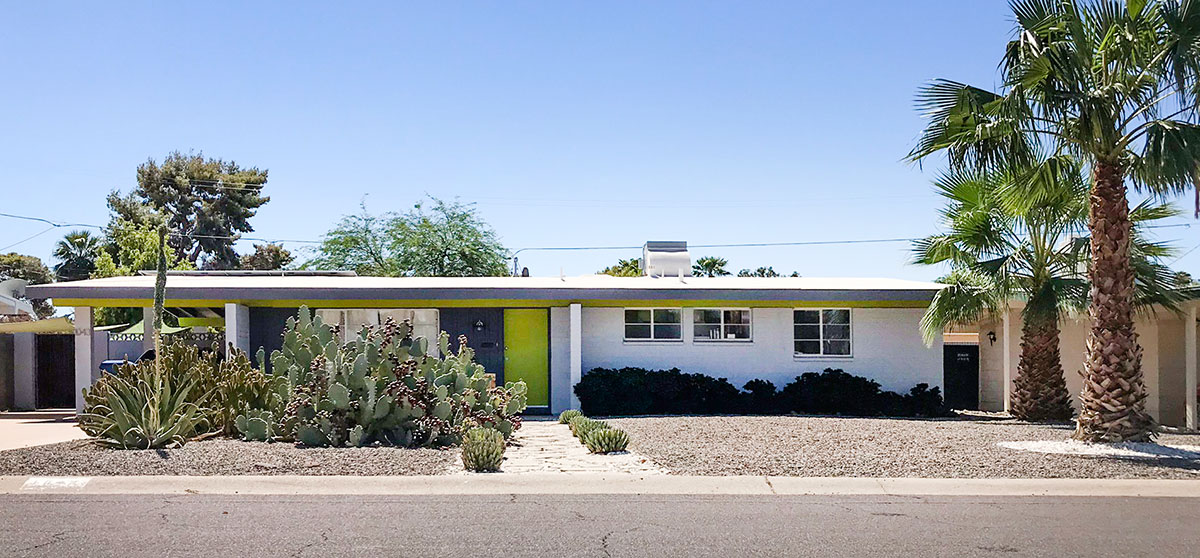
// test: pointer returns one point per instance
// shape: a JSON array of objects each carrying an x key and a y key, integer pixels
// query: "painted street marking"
[{"x": 55, "y": 483}]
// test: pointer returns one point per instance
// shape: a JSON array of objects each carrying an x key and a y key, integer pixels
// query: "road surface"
[{"x": 598, "y": 525}]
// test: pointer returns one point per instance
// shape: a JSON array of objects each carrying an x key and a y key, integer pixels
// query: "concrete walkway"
[
  {"x": 592, "y": 483},
  {"x": 545, "y": 446},
  {"x": 36, "y": 428}
]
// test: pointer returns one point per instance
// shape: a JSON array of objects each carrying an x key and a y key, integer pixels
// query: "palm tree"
[
  {"x": 1001, "y": 251},
  {"x": 76, "y": 254},
  {"x": 624, "y": 268},
  {"x": 1118, "y": 85},
  {"x": 710, "y": 266}
]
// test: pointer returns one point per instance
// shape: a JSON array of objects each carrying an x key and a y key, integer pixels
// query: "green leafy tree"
[
  {"x": 266, "y": 257},
  {"x": 1001, "y": 251},
  {"x": 1116, "y": 84},
  {"x": 624, "y": 268},
  {"x": 76, "y": 254},
  {"x": 31, "y": 269},
  {"x": 447, "y": 240},
  {"x": 209, "y": 203},
  {"x": 710, "y": 266}
]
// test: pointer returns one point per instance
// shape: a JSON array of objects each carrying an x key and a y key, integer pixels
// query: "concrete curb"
[{"x": 560, "y": 483}]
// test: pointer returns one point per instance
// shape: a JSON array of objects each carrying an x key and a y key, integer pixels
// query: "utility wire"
[{"x": 55, "y": 224}]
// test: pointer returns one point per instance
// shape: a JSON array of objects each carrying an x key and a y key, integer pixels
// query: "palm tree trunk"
[
  {"x": 1040, "y": 390},
  {"x": 1113, "y": 399}
]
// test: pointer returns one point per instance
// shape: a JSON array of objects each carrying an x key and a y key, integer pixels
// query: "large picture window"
[
  {"x": 719, "y": 324},
  {"x": 824, "y": 332},
  {"x": 653, "y": 324}
]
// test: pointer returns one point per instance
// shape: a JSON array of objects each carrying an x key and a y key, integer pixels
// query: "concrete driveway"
[{"x": 36, "y": 428}]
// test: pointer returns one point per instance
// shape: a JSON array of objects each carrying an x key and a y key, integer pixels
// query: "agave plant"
[{"x": 144, "y": 410}]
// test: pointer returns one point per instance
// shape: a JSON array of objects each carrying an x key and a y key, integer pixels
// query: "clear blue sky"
[{"x": 570, "y": 123}]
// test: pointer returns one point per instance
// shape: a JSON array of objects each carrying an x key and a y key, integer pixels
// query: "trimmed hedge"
[{"x": 637, "y": 391}]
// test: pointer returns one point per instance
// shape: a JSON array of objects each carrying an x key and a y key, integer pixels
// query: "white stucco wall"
[{"x": 887, "y": 348}]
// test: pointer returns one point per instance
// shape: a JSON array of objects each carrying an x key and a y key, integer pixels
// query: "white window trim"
[
  {"x": 652, "y": 339},
  {"x": 821, "y": 341},
  {"x": 722, "y": 339}
]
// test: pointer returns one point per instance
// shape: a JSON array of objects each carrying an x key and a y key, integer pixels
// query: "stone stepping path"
[{"x": 544, "y": 446}]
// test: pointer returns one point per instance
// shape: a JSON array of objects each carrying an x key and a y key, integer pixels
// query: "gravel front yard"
[
  {"x": 842, "y": 447},
  {"x": 224, "y": 457}
]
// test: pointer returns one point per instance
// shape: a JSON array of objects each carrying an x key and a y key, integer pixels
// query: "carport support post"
[
  {"x": 147, "y": 328},
  {"x": 1190, "y": 359},
  {"x": 576, "y": 362},
  {"x": 25, "y": 371},
  {"x": 85, "y": 358},
  {"x": 1006, "y": 322},
  {"x": 237, "y": 328}
]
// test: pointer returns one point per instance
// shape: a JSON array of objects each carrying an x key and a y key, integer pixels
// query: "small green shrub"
[
  {"x": 482, "y": 450},
  {"x": 566, "y": 416},
  {"x": 606, "y": 440}
]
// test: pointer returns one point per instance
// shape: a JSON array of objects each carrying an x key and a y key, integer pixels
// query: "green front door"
[{"x": 527, "y": 352}]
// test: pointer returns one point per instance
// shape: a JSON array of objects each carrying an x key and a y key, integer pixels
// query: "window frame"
[
  {"x": 652, "y": 339},
  {"x": 821, "y": 331},
  {"x": 721, "y": 311}
]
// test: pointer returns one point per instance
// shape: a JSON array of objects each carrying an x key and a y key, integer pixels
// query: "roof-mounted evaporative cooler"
[{"x": 666, "y": 258}]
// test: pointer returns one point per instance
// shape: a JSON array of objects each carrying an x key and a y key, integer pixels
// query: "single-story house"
[{"x": 548, "y": 331}]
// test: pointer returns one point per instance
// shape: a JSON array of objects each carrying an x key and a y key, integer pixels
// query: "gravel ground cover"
[
  {"x": 224, "y": 457},
  {"x": 867, "y": 447}
]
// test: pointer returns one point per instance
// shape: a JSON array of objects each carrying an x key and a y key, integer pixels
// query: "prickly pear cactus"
[
  {"x": 606, "y": 440},
  {"x": 385, "y": 386},
  {"x": 483, "y": 450}
]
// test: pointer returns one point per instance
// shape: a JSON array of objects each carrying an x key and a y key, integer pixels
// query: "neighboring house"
[
  {"x": 1169, "y": 359},
  {"x": 548, "y": 331}
]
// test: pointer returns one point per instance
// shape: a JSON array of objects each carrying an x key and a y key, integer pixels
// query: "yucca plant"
[
  {"x": 144, "y": 410},
  {"x": 566, "y": 416},
  {"x": 606, "y": 440}
]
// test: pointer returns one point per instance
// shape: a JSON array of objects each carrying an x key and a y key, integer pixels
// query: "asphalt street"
[{"x": 594, "y": 525}]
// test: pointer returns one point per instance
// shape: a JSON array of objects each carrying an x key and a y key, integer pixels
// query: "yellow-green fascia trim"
[
  {"x": 495, "y": 303},
  {"x": 201, "y": 322}
]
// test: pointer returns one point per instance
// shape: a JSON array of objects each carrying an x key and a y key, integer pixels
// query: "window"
[
  {"x": 821, "y": 332},
  {"x": 653, "y": 324},
  {"x": 712, "y": 324}
]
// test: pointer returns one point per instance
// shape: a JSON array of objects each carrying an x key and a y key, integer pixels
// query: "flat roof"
[{"x": 590, "y": 287}]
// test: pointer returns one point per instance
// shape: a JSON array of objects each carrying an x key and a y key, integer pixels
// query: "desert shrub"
[
  {"x": 142, "y": 408},
  {"x": 483, "y": 450},
  {"x": 385, "y": 386},
  {"x": 606, "y": 440},
  {"x": 566, "y": 416},
  {"x": 761, "y": 398},
  {"x": 832, "y": 392},
  {"x": 637, "y": 391}
]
